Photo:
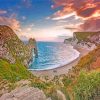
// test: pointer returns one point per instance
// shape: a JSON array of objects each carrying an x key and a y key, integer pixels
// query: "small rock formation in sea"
[{"x": 13, "y": 49}]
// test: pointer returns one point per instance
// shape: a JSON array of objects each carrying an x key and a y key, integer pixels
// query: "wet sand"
[{"x": 62, "y": 69}]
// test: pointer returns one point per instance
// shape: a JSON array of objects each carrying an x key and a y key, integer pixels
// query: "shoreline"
[
  {"x": 59, "y": 65},
  {"x": 46, "y": 69},
  {"x": 61, "y": 69}
]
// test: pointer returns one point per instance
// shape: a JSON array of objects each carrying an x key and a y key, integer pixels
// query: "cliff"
[
  {"x": 93, "y": 37},
  {"x": 81, "y": 83},
  {"x": 83, "y": 80},
  {"x": 13, "y": 49},
  {"x": 85, "y": 40},
  {"x": 14, "y": 56}
]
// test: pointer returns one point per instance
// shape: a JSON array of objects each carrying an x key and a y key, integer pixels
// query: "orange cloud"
[
  {"x": 88, "y": 10},
  {"x": 83, "y": 8}
]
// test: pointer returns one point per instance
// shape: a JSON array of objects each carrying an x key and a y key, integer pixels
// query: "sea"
[{"x": 52, "y": 55}]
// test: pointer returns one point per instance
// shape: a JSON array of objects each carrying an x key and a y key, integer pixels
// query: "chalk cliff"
[{"x": 86, "y": 40}]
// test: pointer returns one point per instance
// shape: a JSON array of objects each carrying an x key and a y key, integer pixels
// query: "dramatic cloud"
[
  {"x": 10, "y": 20},
  {"x": 83, "y": 8},
  {"x": 92, "y": 24},
  {"x": 88, "y": 10}
]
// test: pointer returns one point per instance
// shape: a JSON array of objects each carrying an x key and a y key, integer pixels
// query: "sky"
[{"x": 50, "y": 20}]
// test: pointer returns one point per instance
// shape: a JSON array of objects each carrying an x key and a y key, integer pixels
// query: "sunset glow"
[{"x": 49, "y": 19}]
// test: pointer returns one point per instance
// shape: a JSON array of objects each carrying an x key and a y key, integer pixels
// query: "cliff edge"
[{"x": 13, "y": 49}]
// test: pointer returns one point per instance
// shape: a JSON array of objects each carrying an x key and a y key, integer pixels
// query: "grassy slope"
[
  {"x": 83, "y": 81},
  {"x": 80, "y": 84},
  {"x": 13, "y": 72},
  {"x": 16, "y": 46},
  {"x": 83, "y": 35},
  {"x": 16, "y": 72},
  {"x": 87, "y": 61},
  {"x": 79, "y": 87},
  {"x": 86, "y": 85}
]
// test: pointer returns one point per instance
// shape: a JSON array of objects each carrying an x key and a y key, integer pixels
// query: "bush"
[{"x": 86, "y": 85}]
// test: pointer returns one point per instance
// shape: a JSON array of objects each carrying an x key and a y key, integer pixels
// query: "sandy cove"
[{"x": 62, "y": 69}]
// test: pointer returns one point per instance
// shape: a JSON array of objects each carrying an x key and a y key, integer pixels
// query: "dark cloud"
[{"x": 87, "y": 12}]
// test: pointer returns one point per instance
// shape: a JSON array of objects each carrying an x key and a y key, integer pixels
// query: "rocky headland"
[
  {"x": 85, "y": 40},
  {"x": 13, "y": 49}
]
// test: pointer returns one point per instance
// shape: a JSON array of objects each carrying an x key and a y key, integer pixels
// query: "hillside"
[
  {"x": 86, "y": 76},
  {"x": 82, "y": 82},
  {"x": 13, "y": 49},
  {"x": 14, "y": 56},
  {"x": 87, "y": 36}
]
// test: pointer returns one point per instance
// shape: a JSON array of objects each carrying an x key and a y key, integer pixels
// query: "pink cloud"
[
  {"x": 83, "y": 8},
  {"x": 3, "y": 11},
  {"x": 92, "y": 24},
  {"x": 88, "y": 10},
  {"x": 12, "y": 22}
]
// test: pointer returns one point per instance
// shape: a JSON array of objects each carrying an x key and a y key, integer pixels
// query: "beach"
[{"x": 62, "y": 69}]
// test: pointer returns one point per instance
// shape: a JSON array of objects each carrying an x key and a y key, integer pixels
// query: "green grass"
[
  {"x": 83, "y": 35},
  {"x": 86, "y": 61},
  {"x": 86, "y": 85},
  {"x": 16, "y": 47},
  {"x": 64, "y": 91},
  {"x": 66, "y": 81},
  {"x": 13, "y": 72}
]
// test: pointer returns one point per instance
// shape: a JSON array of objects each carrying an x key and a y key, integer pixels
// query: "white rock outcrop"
[{"x": 24, "y": 93}]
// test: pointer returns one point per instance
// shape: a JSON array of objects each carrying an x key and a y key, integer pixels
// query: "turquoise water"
[{"x": 52, "y": 55}]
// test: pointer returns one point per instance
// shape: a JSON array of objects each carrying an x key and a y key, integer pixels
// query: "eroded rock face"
[
  {"x": 95, "y": 38},
  {"x": 86, "y": 40},
  {"x": 13, "y": 49},
  {"x": 24, "y": 93}
]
